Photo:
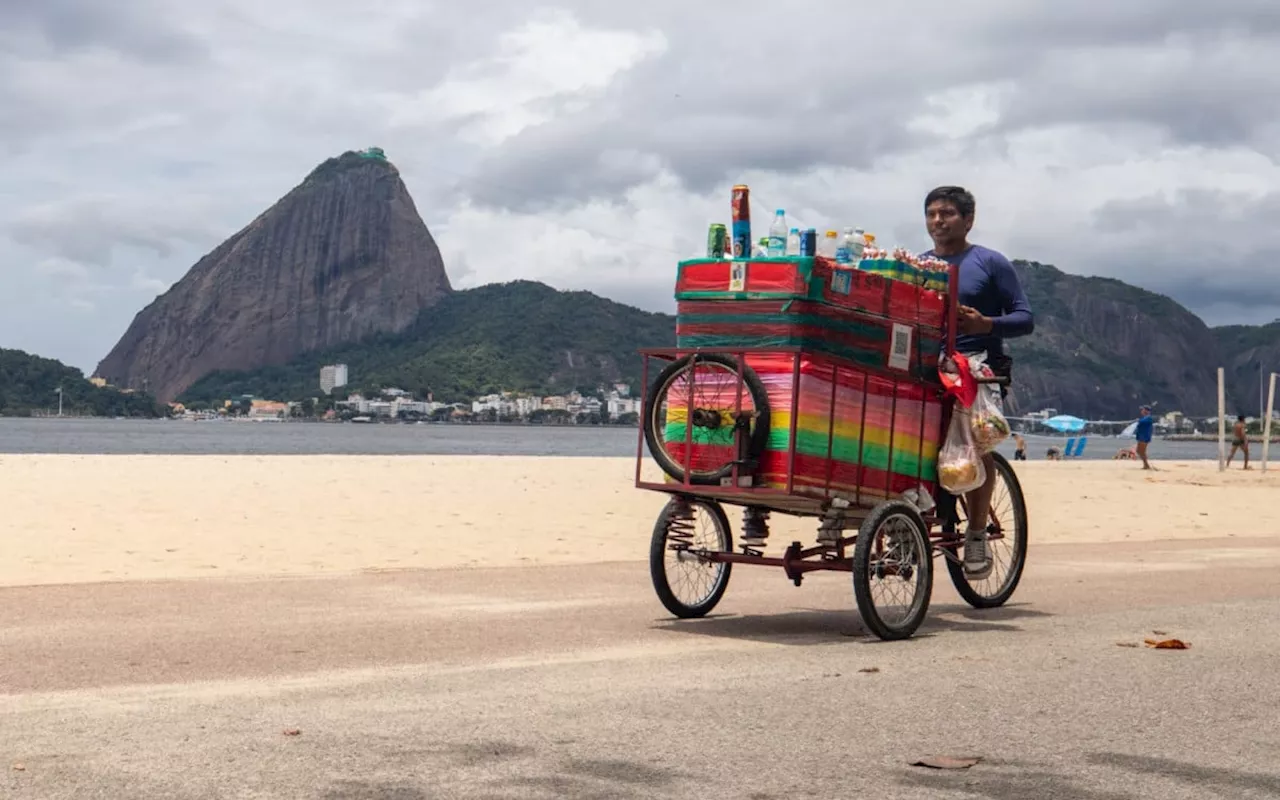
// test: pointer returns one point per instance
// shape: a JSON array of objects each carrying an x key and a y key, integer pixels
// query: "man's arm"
[{"x": 1017, "y": 319}]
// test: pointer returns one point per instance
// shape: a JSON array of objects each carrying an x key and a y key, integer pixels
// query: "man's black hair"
[
  {"x": 957, "y": 196},
  {"x": 1240, "y": 418}
]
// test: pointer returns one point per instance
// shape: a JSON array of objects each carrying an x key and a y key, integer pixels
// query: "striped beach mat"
[
  {"x": 882, "y": 287},
  {"x": 859, "y": 436},
  {"x": 866, "y": 340}
]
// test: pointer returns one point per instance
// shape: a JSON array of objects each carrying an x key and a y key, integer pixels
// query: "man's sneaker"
[{"x": 977, "y": 561}]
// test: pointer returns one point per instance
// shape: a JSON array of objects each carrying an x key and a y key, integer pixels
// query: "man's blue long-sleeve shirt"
[{"x": 989, "y": 284}]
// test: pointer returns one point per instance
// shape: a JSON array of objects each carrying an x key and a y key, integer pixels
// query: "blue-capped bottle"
[
  {"x": 778, "y": 235},
  {"x": 845, "y": 252}
]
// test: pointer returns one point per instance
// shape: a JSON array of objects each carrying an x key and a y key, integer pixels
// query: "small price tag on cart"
[
  {"x": 900, "y": 347},
  {"x": 738, "y": 276}
]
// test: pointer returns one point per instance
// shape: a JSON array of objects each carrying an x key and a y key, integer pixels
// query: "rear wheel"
[
  {"x": 1006, "y": 542},
  {"x": 689, "y": 412},
  {"x": 893, "y": 570},
  {"x": 687, "y": 582}
]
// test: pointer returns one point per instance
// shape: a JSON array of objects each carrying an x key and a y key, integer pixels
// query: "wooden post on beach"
[
  {"x": 1222, "y": 422},
  {"x": 1266, "y": 423}
]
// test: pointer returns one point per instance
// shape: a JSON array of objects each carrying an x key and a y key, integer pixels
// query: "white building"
[
  {"x": 332, "y": 376},
  {"x": 617, "y": 406}
]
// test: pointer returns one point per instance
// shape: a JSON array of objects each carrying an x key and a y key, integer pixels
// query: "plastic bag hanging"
[
  {"x": 987, "y": 419},
  {"x": 960, "y": 468}
]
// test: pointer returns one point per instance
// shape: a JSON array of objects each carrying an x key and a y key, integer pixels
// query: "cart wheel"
[
  {"x": 1007, "y": 527},
  {"x": 893, "y": 570},
  {"x": 687, "y": 583},
  {"x": 668, "y": 409}
]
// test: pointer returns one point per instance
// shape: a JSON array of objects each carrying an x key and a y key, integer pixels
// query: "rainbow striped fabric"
[{"x": 858, "y": 436}]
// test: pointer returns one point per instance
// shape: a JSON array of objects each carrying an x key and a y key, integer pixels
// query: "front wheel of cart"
[
  {"x": 685, "y": 537},
  {"x": 1006, "y": 542},
  {"x": 893, "y": 570}
]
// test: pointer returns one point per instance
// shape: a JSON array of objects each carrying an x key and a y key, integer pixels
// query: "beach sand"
[{"x": 72, "y": 519}]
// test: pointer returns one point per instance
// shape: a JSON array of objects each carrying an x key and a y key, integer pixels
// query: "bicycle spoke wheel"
[
  {"x": 1007, "y": 542},
  {"x": 690, "y": 417}
]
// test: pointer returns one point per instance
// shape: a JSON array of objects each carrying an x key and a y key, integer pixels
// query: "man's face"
[
  {"x": 1144, "y": 412},
  {"x": 945, "y": 223}
]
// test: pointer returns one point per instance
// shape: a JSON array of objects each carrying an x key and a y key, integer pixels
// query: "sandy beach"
[{"x": 75, "y": 519}]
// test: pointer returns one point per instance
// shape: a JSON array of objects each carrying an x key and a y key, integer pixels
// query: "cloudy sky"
[{"x": 589, "y": 143}]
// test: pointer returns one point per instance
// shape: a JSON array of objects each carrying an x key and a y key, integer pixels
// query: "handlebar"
[{"x": 999, "y": 379}]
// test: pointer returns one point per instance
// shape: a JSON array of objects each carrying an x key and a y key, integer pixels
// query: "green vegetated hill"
[
  {"x": 1101, "y": 348},
  {"x": 28, "y": 383},
  {"x": 519, "y": 336},
  {"x": 1250, "y": 353}
]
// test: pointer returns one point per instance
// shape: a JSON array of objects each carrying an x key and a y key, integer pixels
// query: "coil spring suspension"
[
  {"x": 832, "y": 528},
  {"x": 755, "y": 526},
  {"x": 680, "y": 528}
]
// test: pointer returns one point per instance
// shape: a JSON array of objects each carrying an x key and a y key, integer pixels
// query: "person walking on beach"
[
  {"x": 1239, "y": 441},
  {"x": 1143, "y": 434},
  {"x": 993, "y": 307},
  {"x": 1020, "y": 454}
]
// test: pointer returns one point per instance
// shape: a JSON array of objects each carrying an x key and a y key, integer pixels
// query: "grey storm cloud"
[
  {"x": 139, "y": 29},
  {"x": 1153, "y": 240},
  {"x": 714, "y": 105},
  {"x": 136, "y": 134}
]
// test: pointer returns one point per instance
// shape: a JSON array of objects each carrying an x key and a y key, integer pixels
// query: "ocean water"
[{"x": 171, "y": 437}]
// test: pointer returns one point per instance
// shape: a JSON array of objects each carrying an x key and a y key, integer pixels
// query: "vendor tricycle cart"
[{"x": 800, "y": 387}]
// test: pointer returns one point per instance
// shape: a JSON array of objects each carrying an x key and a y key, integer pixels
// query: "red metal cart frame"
[{"x": 837, "y": 511}]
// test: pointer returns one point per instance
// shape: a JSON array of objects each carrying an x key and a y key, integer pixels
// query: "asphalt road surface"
[{"x": 573, "y": 682}]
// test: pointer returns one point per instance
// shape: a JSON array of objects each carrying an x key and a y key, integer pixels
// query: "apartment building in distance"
[{"x": 332, "y": 376}]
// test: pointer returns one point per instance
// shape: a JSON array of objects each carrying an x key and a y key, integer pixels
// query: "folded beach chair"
[
  {"x": 1079, "y": 447},
  {"x": 1069, "y": 450}
]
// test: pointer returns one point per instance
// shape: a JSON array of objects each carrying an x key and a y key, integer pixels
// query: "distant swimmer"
[{"x": 1239, "y": 441}]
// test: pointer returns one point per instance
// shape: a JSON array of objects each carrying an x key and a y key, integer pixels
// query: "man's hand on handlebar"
[{"x": 970, "y": 321}]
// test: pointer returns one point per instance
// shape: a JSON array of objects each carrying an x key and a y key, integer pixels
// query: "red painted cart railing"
[{"x": 814, "y": 395}]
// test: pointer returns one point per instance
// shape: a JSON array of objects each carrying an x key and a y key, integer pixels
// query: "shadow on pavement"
[
  {"x": 1005, "y": 780},
  {"x": 495, "y": 770},
  {"x": 1230, "y": 782},
  {"x": 1014, "y": 780},
  {"x": 817, "y": 627}
]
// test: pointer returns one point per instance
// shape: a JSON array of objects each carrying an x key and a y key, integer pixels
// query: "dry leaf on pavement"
[
  {"x": 1167, "y": 644},
  {"x": 291, "y": 732},
  {"x": 947, "y": 762},
  {"x": 869, "y": 669},
  {"x": 1126, "y": 644}
]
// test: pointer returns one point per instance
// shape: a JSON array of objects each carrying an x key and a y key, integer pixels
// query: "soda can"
[
  {"x": 717, "y": 239},
  {"x": 741, "y": 221},
  {"x": 809, "y": 242}
]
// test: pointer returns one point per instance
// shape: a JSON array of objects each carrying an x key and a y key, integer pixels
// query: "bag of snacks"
[
  {"x": 960, "y": 468},
  {"x": 990, "y": 427}
]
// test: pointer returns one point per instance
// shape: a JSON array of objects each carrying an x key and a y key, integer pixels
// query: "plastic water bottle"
[
  {"x": 778, "y": 235},
  {"x": 844, "y": 251},
  {"x": 859, "y": 245},
  {"x": 793, "y": 242},
  {"x": 828, "y": 245}
]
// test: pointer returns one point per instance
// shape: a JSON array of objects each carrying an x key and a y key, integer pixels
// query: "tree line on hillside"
[{"x": 29, "y": 385}]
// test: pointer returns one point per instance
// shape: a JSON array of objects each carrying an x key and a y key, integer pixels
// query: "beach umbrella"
[{"x": 1065, "y": 423}]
